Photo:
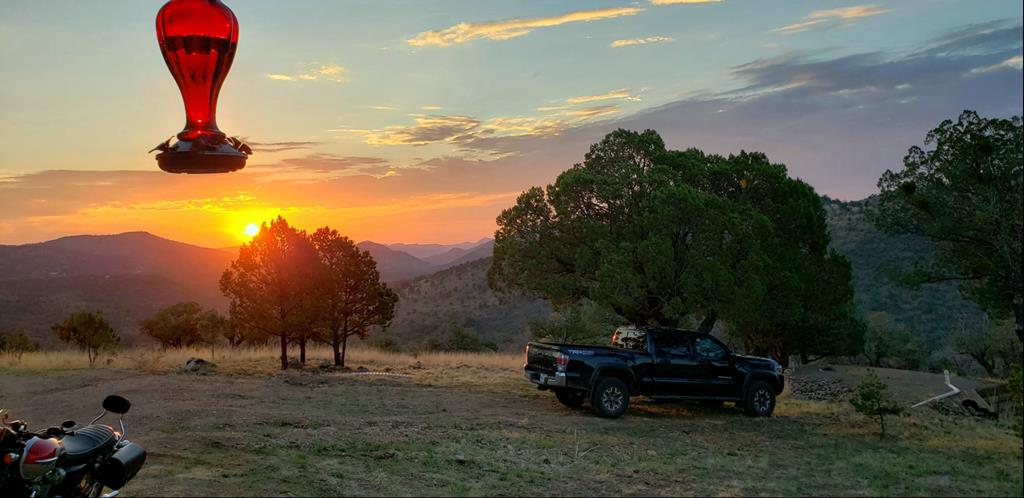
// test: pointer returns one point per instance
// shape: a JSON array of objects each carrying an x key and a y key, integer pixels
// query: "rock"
[
  {"x": 416, "y": 366},
  {"x": 362, "y": 369},
  {"x": 819, "y": 389},
  {"x": 199, "y": 365},
  {"x": 460, "y": 459}
]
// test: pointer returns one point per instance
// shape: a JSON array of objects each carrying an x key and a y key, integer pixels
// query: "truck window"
[
  {"x": 672, "y": 343},
  {"x": 633, "y": 339},
  {"x": 708, "y": 347}
]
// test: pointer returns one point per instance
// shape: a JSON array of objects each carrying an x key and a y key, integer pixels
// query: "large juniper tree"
[
  {"x": 670, "y": 237},
  {"x": 966, "y": 194}
]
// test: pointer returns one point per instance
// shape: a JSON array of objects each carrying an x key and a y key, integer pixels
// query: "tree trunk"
[
  {"x": 284, "y": 351},
  {"x": 344, "y": 346},
  {"x": 708, "y": 323},
  {"x": 302, "y": 350},
  {"x": 1018, "y": 315},
  {"x": 335, "y": 344}
]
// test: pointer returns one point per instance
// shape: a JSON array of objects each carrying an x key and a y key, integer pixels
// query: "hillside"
[
  {"x": 928, "y": 312},
  {"x": 128, "y": 276},
  {"x": 429, "y": 306}
]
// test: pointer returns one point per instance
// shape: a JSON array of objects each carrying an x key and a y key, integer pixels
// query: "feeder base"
[{"x": 182, "y": 157}]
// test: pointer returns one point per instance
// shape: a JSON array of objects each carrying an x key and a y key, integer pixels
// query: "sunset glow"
[{"x": 421, "y": 122}]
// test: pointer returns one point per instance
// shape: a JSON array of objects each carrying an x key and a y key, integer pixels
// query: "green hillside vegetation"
[
  {"x": 931, "y": 313},
  {"x": 456, "y": 301}
]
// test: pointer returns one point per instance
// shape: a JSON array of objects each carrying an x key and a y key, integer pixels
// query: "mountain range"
[{"x": 130, "y": 276}]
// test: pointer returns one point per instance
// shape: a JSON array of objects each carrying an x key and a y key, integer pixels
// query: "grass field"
[{"x": 468, "y": 424}]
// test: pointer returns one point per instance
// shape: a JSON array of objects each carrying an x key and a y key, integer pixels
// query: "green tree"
[
  {"x": 583, "y": 323},
  {"x": 885, "y": 341},
  {"x": 965, "y": 194},
  {"x": 349, "y": 291},
  {"x": 267, "y": 284},
  {"x": 460, "y": 339},
  {"x": 872, "y": 399},
  {"x": 678, "y": 238},
  {"x": 88, "y": 331},
  {"x": 175, "y": 326},
  {"x": 16, "y": 344},
  {"x": 993, "y": 346},
  {"x": 212, "y": 327}
]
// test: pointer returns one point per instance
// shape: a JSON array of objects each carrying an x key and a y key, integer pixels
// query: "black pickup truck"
[{"x": 654, "y": 362}]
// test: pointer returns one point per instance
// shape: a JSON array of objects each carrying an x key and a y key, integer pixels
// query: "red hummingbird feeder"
[{"x": 198, "y": 39}]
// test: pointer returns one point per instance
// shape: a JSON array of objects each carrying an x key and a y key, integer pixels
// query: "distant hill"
[
  {"x": 395, "y": 265},
  {"x": 128, "y": 276},
  {"x": 428, "y": 306},
  {"x": 929, "y": 311},
  {"x": 427, "y": 251}
]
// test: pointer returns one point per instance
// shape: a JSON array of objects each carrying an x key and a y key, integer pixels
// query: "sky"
[{"x": 416, "y": 121}]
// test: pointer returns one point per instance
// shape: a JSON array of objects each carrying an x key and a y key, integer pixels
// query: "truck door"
[
  {"x": 676, "y": 367},
  {"x": 715, "y": 370}
]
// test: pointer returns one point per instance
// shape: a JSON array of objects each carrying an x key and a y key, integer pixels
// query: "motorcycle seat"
[{"x": 87, "y": 442}]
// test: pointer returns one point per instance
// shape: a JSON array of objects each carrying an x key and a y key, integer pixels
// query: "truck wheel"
[
  {"x": 573, "y": 398},
  {"x": 759, "y": 400},
  {"x": 610, "y": 398}
]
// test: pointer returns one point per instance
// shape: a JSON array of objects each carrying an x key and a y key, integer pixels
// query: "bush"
[
  {"x": 460, "y": 339},
  {"x": 1016, "y": 387},
  {"x": 16, "y": 344},
  {"x": 872, "y": 399}
]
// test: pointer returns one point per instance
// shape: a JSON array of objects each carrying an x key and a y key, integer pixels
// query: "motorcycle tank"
[{"x": 39, "y": 457}]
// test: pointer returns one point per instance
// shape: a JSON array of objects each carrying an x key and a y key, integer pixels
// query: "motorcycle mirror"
[{"x": 116, "y": 404}]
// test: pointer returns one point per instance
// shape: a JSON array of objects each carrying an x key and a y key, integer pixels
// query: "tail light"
[{"x": 561, "y": 361}]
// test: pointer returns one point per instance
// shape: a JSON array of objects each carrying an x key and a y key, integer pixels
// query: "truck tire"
[
  {"x": 610, "y": 398},
  {"x": 573, "y": 398},
  {"x": 759, "y": 400}
]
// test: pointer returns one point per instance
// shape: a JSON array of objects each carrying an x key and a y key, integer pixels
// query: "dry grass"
[{"x": 253, "y": 360}]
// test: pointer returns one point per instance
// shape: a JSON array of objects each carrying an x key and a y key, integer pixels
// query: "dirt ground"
[{"x": 465, "y": 430}]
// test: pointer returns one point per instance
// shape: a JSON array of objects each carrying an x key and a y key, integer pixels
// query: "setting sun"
[{"x": 251, "y": 229}]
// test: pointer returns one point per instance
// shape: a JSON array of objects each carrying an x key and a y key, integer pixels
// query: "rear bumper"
[{"x": 547, "y": 380}]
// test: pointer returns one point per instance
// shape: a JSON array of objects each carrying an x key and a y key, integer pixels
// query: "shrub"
[{"x": 872, "y": 399}]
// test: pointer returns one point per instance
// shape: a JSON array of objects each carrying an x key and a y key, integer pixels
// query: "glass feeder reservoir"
[{"x": 198, "y": 39}]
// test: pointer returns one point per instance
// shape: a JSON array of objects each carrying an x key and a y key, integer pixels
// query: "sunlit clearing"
[{"x": 252, "y": 229}]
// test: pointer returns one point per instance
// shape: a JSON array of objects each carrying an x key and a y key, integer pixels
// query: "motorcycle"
[{"x": 68, "y": 461}]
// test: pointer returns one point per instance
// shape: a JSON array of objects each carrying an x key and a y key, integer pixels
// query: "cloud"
[
  {"x": 334, "y": 163},
  {"x": 832, "y": 18},
  {"x": 681, "y": 2},
  {"x": 511, "y": 28},
  {"x": 629, "y": 42},
  {"x": 382, "y": 108},
  {"x": 279, "y": 146},
  {"x": 620, "y": 94},
  {"x": 315, "y": 72},
  {"x": 1015, "y": 62},
  {"x": 430, "y": 108},
  {"x": 427, "y": 129}
]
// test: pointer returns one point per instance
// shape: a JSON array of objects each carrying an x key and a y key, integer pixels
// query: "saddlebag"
[{"x": 122, "y": 466}]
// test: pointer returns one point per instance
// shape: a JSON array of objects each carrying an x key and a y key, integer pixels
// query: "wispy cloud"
[
  {"x": 511, "y": 28},
  {"x": 317, "y": 72},
  {"x": 621, "y": 94},
  {"x": 430, "y": 108},
  {"x": 382, "y": 108},
  {"x": 1015, "y": 62},
  {"x": 831, "y": 18},
  {"x": 280, "y": 146},
  {"x": 629, "y": 42},
  {"x": 681, "y": 2}
]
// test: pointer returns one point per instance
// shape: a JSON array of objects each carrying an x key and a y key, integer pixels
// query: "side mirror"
[{"x": 116, "y": 404}]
